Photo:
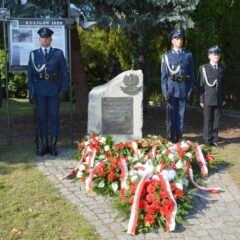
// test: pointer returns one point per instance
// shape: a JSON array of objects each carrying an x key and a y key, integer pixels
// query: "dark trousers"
[
  {"x": 211, "y": 115},
  {"x": 176, "y": 111},
  {"x": 48, "y": 107}
]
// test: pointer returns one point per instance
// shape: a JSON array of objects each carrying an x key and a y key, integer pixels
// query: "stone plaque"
[{"x": 117, "y": 115}]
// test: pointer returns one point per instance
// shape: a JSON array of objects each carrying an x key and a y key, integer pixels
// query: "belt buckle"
[{"x": 46, "y": 76}]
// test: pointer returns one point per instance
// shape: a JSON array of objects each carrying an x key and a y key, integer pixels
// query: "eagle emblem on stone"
[{"x": 131, "y": 83}]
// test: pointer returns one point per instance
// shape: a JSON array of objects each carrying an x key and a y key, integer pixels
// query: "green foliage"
[{"x": 18, "y": 85}]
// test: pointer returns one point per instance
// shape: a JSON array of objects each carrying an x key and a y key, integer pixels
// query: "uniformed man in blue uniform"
[
  {"x": 211, "y": 87},
  {"x": 177, "y": 81},
  {"x": 47, "y": 81}
]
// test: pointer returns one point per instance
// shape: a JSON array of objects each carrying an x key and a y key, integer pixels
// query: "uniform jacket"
[
  {"x": 178, "y": 89},
  {"x": 55, "y": 63},
  {"x": 211, "y": 96}
]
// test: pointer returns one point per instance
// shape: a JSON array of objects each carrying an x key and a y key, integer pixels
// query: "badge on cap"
[{"x": 214, "y": 50}]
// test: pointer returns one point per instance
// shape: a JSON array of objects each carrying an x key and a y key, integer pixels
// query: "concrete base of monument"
[{"x": 115, "y": 108}]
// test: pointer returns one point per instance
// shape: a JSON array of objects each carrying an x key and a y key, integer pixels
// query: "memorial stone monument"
[{"x": 115, "y": 108}]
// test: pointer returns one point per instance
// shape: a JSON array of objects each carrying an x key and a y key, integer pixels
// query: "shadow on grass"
[{"x": 13, "y": 155}]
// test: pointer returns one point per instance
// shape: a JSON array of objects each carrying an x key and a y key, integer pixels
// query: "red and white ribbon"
[
  {"x": 201, "y": 160},
  {"x": 170, "y": 216},
  {"x": 132, "y": 224},
  {"x": 211, "y": 190},
  {"x": 124, "y": 172}
]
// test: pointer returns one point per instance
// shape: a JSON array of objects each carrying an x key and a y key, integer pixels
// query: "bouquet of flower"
[{"x": 149, "y": 177}]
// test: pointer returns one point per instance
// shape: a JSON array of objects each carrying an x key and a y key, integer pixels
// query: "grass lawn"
[
  {"x": 21, "y": 107},
  {"x": 30, "y": 208}
]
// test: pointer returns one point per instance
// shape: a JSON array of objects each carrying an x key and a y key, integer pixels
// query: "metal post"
[
  {"x": 70, "y": 73},
  {"x": 6, "y": 77}
]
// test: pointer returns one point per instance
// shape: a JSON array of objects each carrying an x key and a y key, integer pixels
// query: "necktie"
[
  {"x": 215, "y": 67},
  {"x": 45, "y": 53},
  {"x": 178, "y": 52}
]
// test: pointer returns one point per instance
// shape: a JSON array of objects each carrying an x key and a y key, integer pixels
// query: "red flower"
[
  {"x": 151, "y": 209},
  {"x": 111, "y": 170},
  {"x": 209, "y": 157},
  {"x": 188, "y": 164},
  {"x": 80, "y": 146},
  {"x": 124, "y": 199},
  {"x": 181, "y": 154},
  {"x": 83, "y": 139},
  {"x": 156, "y": 204},
  {"x": 131, "y": 199},
  {"x": 102, "y": 172},
  {"x": 111, "y": 177},
  {"x": 133, "y": 189},
  {"x": 150, "y": 197},
  {"x": 115, "y": 162},
  {"x": 143, "y": 204},
  {"x": 143, "y": 193},
  {"x": 179, "y": 193},
  {"x": 162, "y": 194},
  {"x": 122, "y": 191},
  {"x": 163, "y": 211},
  {"x": 173, "y": 186},
  {"x": 173, "y": 165},
  {"x": 93, "y": 136},
  {"x": 107, "y": 154},
  {"x": 149, "y": 219},
  {"x": 151, "y": 188},
  {"x": 168, "y": 151}
]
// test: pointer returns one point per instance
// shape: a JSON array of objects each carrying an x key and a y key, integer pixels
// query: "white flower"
[
  {"x": 79, "y": 174},
  {"x": 132, "y": 172},
  {"x": 158, "y": 168},
  {"x": 89, "y": 149},
  {"x": 102, "y": 140},
  {"x": 86, "y": 143},
  {"x": 155, "y": 177},
  {"x": 184, "y": 146},
  {"x": 82, "y": 167},
  {"x": 171, "y": 175},
  {"x": 114, "y": 186},
  {"x": 189, "y": 155},
  {"x": 106, "y": 148},
  {"x": 179, "y": 184},
  {"x": 171, "y": 156},
  {"x": 179, "y": 164},
  {"x": 164, "y": 151},
  {"x": 101, "y": 184},
  {"x": 134, "y": 178}
]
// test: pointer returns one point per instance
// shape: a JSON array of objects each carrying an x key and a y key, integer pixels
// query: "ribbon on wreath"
[
  {"x": 204, "y": 189},
  {"x": 124, "y": 172},
  {"x": 171, "y": 215}
]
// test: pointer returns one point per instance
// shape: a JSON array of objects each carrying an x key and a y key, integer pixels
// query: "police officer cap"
[
  {"x": 177, "y": 33},
  {"x": 214, "y": 50},
  {"x": 45, "y": 32}
]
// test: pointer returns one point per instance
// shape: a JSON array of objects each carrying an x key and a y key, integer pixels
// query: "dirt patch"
[{"x": 154, "y": 123}]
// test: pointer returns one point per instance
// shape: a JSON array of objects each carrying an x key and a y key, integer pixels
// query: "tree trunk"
[{"x": 78, "y": 76}]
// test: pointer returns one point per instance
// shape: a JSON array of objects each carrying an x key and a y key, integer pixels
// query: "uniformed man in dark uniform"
[
  {"x": 177, "y": 81},
  {"x": 47, "y": 81},
  {"x": 212, "y": 94}
]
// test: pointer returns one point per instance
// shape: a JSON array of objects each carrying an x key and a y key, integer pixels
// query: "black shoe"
[
  {"x": 44, "y": 148},
  {"x": 173, "y": 138},
  {"x": 53, "y": 150},
  {"x": 178, "y": 137}
]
